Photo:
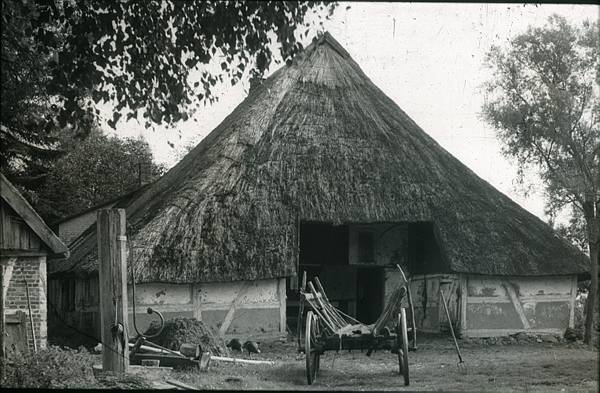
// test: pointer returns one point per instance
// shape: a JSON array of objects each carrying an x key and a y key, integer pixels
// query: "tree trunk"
[{"x": 593, "y": 230}]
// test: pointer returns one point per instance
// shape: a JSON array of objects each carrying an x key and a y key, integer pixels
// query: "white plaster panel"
[
  {"x": 542, "y": 286},
  {"x": 525, "y": 286},
  {"x": 159, "y": 293},
  {"x": 484, "y": 286},
  {"x": 258, "y": 291}
]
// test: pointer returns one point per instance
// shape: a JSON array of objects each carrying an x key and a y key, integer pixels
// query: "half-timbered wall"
[
  {"x": 486, "y": 306},
  {"x": 496, "y": 306},
  {"x": 250, "y": 308}
]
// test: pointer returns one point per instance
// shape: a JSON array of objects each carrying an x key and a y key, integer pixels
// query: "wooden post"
[
  {"x": 229, "y": 316},
  {"x": 2, "y": 322},
  {"x": 30, "y": 317},
  {"x": 113, "y": 289},
  {"x": 514, "y": 298},
  {"x": 6, "y": 266},
  {"x": 282, "y": 304},
  {"x": 464, "y": 295}
]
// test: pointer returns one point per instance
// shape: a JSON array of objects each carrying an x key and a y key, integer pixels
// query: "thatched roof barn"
[{"x": 318, "y": 142}]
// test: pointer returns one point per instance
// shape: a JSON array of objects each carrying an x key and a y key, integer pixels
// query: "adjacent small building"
[{"x": 25, "y": 244}]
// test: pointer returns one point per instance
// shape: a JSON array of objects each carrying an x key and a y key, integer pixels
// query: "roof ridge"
[{"x": 334, "y": 44}]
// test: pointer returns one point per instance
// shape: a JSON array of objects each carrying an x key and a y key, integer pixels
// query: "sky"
[{"x": 429, "y": 59}]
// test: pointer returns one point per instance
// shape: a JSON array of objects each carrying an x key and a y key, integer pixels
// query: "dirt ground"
[{"x": 531, "y": 367}]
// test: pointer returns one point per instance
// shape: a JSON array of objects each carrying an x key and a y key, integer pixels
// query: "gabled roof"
[
  {"x": 112, "y": 201},
  {"x": 318, "y": 141},
  {"x": 20, "y": 205}
]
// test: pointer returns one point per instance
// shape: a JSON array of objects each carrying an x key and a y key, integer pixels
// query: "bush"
[
  {"x": 64, "y": 368},
  {"x": 51, "y": 368}
]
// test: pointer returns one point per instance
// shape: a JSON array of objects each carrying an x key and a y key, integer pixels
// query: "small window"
[{"x": 366, "y": 247}]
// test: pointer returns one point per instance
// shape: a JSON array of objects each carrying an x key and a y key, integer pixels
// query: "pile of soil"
[{"x": 186, "y": 330}]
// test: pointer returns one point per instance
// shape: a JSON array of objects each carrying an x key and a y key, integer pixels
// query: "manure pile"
[{"x": 182, "y": 330}]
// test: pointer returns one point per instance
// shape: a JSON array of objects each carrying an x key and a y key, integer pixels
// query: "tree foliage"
[
  {"x": 150, "y": 58},
  {"x": 544, "y": 102},
  {"x": 94, "y": 170},
  {"x": 574, "y": 230},
  {"x": 26, "y": 109}
]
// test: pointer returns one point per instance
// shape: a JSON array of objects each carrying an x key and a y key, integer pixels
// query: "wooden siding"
[
  {"x": 429, "y": 311},
  {"x": 16, "y": 234}
]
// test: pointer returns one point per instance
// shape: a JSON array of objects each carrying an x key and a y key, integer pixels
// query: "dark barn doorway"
[
  {"x": 324, "y": 253},
  {"x": 370, "y": 291},
  {"x": 356, "y": 263},
  {"x": 355, "y": 289}
]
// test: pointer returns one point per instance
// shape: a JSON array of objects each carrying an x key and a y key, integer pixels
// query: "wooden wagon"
[{"x": 327, "y": 328}]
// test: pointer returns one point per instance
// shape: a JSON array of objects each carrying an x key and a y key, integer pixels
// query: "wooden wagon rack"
[{"x": 329, "y": 329}]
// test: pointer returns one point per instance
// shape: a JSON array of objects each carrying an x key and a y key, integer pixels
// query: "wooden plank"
[
  {"x": 18, "y": 203},
  {"x": 33, "y": 335},
  {"x": 113, "y": 289},
  {"x": 463, "y": 302},
  {"x": 3, "y": 224},
  {"x": 238, "y": 360},
  {"x": 573, "y": 295},
  {"x": 16, "y": 340},
  {"x": 282, "y": 305},
  {"x": 24, "y": 253},
  {"x": 524, "y": 299},
  {"x": 8, "y": 266},
  {"x": 16, "y": 237},
  {"x": 2, "y": 324},
  {"x": 517, "y": 303},
  {"x": 310, "y": 296},
  {"x": 196, "y": 301},
  {"x": 23, "y": 237},
  {"x": 506, "y": 332},
  {"x": 229, "y": 316}
]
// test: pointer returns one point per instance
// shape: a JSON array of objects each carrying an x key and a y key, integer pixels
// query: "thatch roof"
[{"x": 318, "y": 141}]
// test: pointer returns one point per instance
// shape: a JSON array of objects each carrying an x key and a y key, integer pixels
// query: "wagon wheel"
[
  {"x": 312, "y": 356},
  {"x": 402, "y": 338}
]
